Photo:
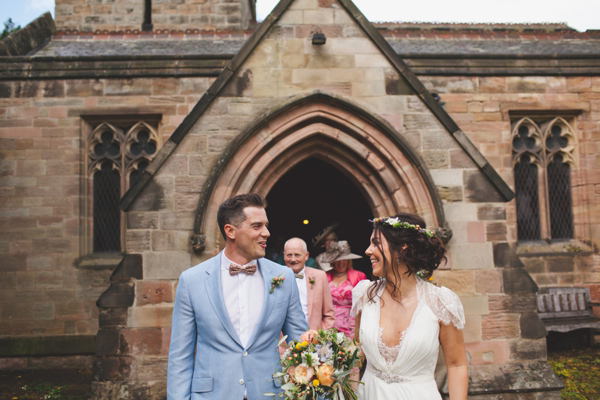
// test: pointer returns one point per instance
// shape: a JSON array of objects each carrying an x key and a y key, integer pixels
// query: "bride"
[{"x": 402, "y": 319}]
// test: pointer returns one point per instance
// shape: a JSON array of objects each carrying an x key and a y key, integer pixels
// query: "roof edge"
[
  {"x": 29, "y": 38},
  {"x": 424, "y": 94},
  {"x": 205, "y": 101}
]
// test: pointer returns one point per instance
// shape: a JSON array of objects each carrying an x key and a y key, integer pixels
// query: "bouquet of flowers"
[{"x": 319, "y": 366}]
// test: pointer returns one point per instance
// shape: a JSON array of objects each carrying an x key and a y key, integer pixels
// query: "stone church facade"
[{"x": 121, "y": 131}]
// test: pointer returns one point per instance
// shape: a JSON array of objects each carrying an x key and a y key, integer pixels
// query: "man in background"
[{"x": 313, "y": 287}]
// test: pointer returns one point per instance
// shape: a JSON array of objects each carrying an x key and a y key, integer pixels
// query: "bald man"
[{"x": 312, "y": 286}]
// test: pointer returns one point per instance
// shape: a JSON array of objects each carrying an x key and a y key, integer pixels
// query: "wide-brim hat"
[
  {"x": 320, "y": 238},
  {"x": 336, "y": 251}
]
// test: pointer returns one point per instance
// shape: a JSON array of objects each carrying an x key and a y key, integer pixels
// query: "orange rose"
[
  {"x": 324, "y": 374},
  {"x": 309, "y": 336}
]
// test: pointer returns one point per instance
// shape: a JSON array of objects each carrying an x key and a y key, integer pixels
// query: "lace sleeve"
[
  {"x": 359, "y": 297},
  {"x": 446, "y": 305}
]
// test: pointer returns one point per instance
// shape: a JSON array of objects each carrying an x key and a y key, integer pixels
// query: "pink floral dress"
[{"x": 342, "y": 303}]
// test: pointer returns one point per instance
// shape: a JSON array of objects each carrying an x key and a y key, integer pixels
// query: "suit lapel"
[
  {"x": 267, "y": 274},
  {"x": 309, "y": 290},
  {"x": 215, "y": 294}
]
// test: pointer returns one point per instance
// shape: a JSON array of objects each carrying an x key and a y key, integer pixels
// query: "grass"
[
  {"x": 580, "y": 372},
  {"x": 45, "y": 384}
]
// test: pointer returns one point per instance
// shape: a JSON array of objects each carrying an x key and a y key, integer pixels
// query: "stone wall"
[
  {"x": 42, "y": 292},
  {"x": 170, "y": 15}
]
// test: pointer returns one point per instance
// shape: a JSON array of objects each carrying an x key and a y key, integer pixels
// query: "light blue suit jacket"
[{"x": 206, "y": 357}]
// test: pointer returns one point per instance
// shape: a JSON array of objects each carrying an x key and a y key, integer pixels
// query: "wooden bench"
[{"x": 565, "y": 309}]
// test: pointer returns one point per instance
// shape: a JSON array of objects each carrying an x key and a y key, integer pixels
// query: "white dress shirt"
[
  {"x": 303, "y": 292},
  {"x": 244, "y": 296}
]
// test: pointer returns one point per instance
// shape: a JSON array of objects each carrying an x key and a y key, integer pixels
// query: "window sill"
[
  {"x": 537, "y": 248},
  {"x": 100, "y": 261}
]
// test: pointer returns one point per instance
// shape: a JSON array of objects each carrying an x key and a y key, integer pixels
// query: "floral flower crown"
[{"x": 397, "y": 224}]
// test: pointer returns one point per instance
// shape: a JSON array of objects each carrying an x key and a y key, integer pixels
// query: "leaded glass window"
[
  {"x": 118, "y": 151},
  {"x": 543, "y": 156}
]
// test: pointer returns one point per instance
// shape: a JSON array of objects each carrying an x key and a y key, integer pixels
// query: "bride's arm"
[{"x": 453, "y": 345}]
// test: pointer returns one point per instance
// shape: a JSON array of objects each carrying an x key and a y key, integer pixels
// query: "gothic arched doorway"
[
  {"x": 317, "y": 192},
  {"x": 377, "y": 160}
]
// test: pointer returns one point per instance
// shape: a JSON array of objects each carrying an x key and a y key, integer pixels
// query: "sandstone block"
[
  {"x": 49, "y": 279},
  {"x": 460, "y": 282},
  {"x": 500, "y": 326},
  {"x": 128, "y": 87},
  {"x": 472, "y": 256},
  {"x": 43, "y": 311},
  {"x": 372, "y": 60},
  {"x": 149, "y": 317},
  {"x": 534, "y": 350},
  {"x": 310, "y": 75},
  {"x": 142, "y": 220},
  {"x": 475, "y": 304},
  {"x": 368, "y": 89},
  {"x": 292, "y": 17},
  {"x": 166, "y": 265},
  {"x": 488, "y": 281},
  {"x": 495, "y": 231},
  {"x": 304, "y": 5},
  {"x": 473, "y": 329},
  {"x": 460, "y": 212},
  {"x": 177, "y": 220},
  {"x": 560, "y": 264},
  {"x": 489, "y": 352},
  {"x": 318, "y": 17},
  {"x": 138, "y": 241},
  {"x": 492, "y": 84},
  {"x": 476, "y": 232},
  {"x": 526, "y": 84},
  {"x": 579, "y": 84},
  {"x": 140, "y": 342},
  {"x": 153, "y": 292}
]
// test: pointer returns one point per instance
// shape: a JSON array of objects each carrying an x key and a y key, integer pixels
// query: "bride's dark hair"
[{"x": 414, "y": 248}]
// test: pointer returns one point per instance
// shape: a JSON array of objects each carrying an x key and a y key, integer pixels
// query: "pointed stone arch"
[{"x": 388, "y": 172}]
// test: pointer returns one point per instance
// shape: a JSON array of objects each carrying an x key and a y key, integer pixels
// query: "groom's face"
[{"x": 251, "y": 235}]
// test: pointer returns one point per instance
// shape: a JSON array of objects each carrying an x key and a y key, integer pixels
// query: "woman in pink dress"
[{"x": 337, "y": 261}]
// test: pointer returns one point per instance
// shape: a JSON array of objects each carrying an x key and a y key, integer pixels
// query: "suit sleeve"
[
  {"x": 181, "y": 351},
  {"x": 328, "y": 311},
  {"x": 295, "y": 321}
]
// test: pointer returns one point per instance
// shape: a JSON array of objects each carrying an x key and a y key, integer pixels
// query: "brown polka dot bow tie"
[{"x": 235, "y": 269}]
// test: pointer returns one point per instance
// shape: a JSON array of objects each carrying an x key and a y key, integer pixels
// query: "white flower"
[
  {"x": 303, "y": 374},
  {"x": 392, "y": 221},
  {"x": 341, "y": 336}
]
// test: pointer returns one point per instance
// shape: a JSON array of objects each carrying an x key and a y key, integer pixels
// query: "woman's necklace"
[{"x": 339, "y": 275}]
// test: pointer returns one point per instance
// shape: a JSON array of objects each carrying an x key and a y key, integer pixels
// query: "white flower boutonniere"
[{"x": 276, "y": 282}]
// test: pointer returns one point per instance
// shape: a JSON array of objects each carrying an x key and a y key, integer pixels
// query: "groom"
[{"x": 229, "y": 312}]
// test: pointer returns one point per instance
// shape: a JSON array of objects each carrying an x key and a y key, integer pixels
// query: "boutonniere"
[
  {"x": 311, "y": 280},
  {"x": 276, "y": 282}
]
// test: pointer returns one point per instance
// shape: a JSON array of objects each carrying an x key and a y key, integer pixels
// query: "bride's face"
[{"x": 378, "y": 251}]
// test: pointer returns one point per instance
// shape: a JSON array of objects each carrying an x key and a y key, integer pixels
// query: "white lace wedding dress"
[{"x": 405, "y": 371}]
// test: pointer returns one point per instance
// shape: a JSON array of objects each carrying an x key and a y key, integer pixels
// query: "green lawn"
[{"x": 580, "y": 372}]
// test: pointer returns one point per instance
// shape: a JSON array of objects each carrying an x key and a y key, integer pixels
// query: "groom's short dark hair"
[{"x": 231, "y": 211}]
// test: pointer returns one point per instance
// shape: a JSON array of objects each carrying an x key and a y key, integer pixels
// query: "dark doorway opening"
[{"x": 314, "y": 190}]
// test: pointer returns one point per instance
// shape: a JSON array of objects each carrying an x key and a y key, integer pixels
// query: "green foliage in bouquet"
[{"x": 319, "y": 366}]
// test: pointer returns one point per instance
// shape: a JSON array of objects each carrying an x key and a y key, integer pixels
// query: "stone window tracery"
[
  {"x": 116, "y": 153},
  {"x": 543, "y": 156}
]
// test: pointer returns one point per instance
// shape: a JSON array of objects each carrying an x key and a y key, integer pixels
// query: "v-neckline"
[{"x": 404, "y": 333}]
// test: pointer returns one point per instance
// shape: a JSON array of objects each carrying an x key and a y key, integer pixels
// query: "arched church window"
[
  {"x": 543, "y": 156},
  {"x": 117, "y": 152}
]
